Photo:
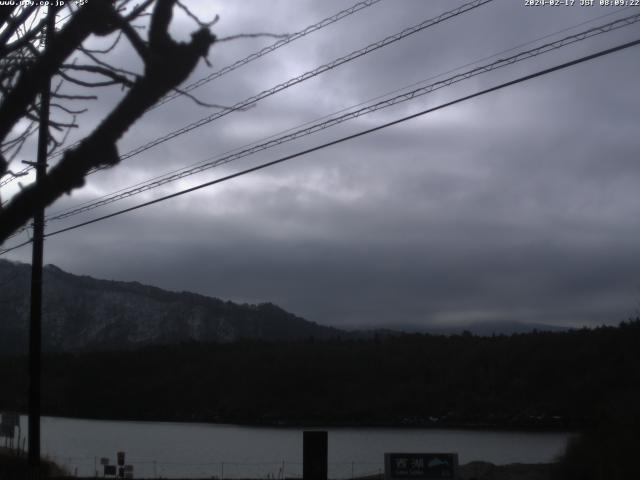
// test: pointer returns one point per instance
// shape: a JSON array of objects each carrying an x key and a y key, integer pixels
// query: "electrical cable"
[
  {"x": 240, "y": 153},
  {"x": 335, "y": 120},
  {"x": 256, "y": 142},
  {"x": 345, "y": 138},
  {"x": 251, "y": 101},
  {"x": 260, "y": 53},
  {"x": 229, "y": 68}
]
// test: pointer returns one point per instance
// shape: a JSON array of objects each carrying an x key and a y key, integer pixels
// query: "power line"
[
  {"x": 320, "y": 125},
  {"x": 260, "y": 53},
  {"x": 229, "y": 68},
  {"x": 334, "y": 120},
  {"x": 345, "y": 138},
  {"x": 15, "y": 247},
  {"x": 249, "y": 102},
  {"x": 11, "y": 178},
  {"x": 256, "y": 142},
  {"x": 310, "y": 74}
]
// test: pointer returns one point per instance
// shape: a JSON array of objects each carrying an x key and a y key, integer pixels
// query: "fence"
[{"x": 222, "y": 470}]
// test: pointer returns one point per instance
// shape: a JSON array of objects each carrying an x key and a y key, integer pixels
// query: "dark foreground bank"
[{"x": 15, "y": 468}]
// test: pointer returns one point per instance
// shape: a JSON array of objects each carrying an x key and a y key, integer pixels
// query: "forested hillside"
[
  {"x": 537, "y": 380},
  {"x": 84, "y": 313}
]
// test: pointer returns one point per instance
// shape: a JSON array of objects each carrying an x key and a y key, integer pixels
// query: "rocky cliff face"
[{"x": 83, "y": 313}]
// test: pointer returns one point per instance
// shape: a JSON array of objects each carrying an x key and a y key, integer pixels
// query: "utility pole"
[{"x": 35, "y": 325}]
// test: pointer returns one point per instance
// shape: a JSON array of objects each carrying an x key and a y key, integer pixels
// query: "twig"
[
  {"x": 82, "y": 83},
  {"x": 252, "y": 35},
  {"x": 99, "y": 70},
  {"x": 74, "y": 97},
  {"x": 16, "y": 175},
  {"x": 108, "y": 49},
  {"x": 205, "y": 104},
  {"x": 195, "y": 17},
  {"x": 68, "y": 110}
]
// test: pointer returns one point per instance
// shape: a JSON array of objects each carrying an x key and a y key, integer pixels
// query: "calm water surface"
[{"x": 163, "y": 449}]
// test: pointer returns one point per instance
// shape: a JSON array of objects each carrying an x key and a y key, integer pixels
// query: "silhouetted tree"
[{"x": 67, "y": 59}]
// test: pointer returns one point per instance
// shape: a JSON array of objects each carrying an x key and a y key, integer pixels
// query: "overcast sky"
[{"x": 518, "y": 205}]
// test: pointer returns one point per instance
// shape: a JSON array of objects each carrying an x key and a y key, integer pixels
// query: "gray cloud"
[{"x": 519, "y": 205}]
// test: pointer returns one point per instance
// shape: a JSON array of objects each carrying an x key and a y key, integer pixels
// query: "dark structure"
[{"x": 315, "y": 455}]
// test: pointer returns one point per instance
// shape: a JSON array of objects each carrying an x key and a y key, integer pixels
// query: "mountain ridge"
[{"x": 85, "y": 313}]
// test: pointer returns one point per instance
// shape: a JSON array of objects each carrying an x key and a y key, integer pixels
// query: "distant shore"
[
  {"x": 552, "y": 382},
  {"x": 295, "y": 424}
]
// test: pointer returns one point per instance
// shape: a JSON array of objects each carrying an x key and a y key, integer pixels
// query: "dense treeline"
[{"x": 537, "y": 380}]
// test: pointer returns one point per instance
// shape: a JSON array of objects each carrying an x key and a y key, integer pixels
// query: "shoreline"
[
  {"x": 16, "y": 465},
  {"x": 284, "y": 425}
]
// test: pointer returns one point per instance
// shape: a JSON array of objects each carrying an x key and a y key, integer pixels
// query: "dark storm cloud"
[
  {"x": 519, "y": 205},
  {"x": 378, "y": 267}
]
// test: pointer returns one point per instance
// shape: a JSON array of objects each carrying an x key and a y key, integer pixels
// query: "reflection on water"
[{"x": 161, "y": 449}]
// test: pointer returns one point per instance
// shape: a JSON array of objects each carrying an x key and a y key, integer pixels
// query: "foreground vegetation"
[
  {"x": 562, "y": 380},
  {"x": 13, "y": 466},
  {"x": 607, "y": 451}
]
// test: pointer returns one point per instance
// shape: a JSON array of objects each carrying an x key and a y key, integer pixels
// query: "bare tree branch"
[
  {"x": 138, "y": 11},
  {"x": 91, "y": 18},
  {"x": 104, "y": 64},
  {"x": 200, "y": 23},
  {"x": 134, "y": 39},
  {"x": 114, "y": 76},
  {"x": 5, "y": 12},
  {"x": 87, "y": 84},
  {"x": 200, "y": 102},
  {"x": 25, "y": 39},
  {"x": 74, "y": 97},
  {"x": 13, "y": 23},
  {"x": 167, "y": 65},
  {"x": 68, "y": 110},
  {"x": 17, "y": 174},
  {"x": 64, "y": 138},
  {"x": 106, "y": 50}
]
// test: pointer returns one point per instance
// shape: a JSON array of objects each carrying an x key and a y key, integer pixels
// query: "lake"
[{"x": 166, "y": 449}]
